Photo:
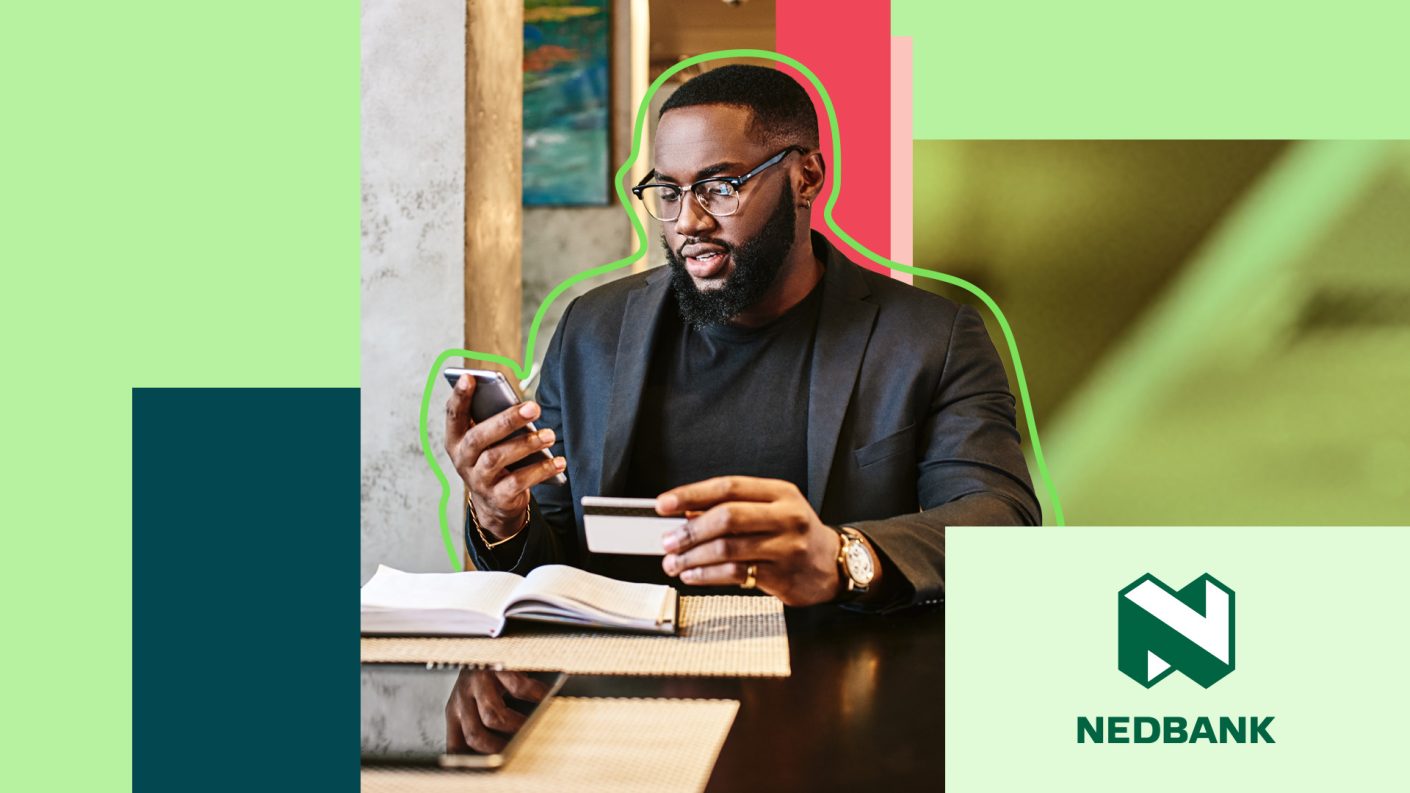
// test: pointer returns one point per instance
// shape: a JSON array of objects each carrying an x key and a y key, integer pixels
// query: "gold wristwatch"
[{"x": 854, "y": 562}]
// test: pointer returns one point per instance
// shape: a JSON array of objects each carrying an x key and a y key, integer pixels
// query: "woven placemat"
[
  {"x": 720, "y": 636},
  {"x": 591, "y": 744}
]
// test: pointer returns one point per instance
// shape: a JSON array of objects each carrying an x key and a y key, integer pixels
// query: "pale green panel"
[{"x": 1031, "y": 642}]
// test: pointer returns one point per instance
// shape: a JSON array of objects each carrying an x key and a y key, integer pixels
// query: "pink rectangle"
[
  {"x": 848, "y": 46},
  {"x": 902, "y": 170}
]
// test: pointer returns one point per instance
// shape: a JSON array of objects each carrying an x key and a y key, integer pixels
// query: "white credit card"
[{"x": 625, "y": 525}]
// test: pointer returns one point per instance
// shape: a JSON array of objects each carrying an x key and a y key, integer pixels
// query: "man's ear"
[{"x": 811, "y": 174}]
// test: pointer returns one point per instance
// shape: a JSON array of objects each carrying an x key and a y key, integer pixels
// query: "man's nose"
[{"x": 693, "y": 218}]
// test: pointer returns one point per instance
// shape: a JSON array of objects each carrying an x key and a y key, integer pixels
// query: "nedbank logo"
[{"x": 1160, "y": 630}]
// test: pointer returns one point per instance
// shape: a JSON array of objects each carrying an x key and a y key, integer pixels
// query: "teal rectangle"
[
  {"x": 245, "y": 615},
  {"x": 1031, "y": 645},
  {"x": 1200, "y": 69}
]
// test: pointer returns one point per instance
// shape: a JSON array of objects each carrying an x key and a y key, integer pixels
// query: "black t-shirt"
[{"x": 753, "y": 381}]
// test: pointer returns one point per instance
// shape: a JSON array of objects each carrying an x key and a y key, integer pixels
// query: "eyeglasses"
[{"x": 718, "y": 195}]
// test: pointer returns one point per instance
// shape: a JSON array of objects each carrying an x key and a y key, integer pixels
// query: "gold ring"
[{"x": 749, "y": 580}]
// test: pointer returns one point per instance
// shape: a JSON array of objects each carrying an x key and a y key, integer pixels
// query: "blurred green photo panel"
[{"x": 1213, "y": 331}]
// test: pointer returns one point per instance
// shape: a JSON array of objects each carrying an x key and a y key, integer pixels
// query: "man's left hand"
[{"x": 738, "y": 521}]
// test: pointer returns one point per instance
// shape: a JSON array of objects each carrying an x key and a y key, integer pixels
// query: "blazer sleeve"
[
  {"x": 551, "y": 536},
  {"x": 971, "y": 470}
]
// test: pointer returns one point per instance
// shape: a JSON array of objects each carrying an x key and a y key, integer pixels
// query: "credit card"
[{"x": 625, "y": 525}]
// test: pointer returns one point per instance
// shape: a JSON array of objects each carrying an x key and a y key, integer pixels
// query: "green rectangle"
[
  {"x": 1200, "y": 69},
  {"x": 179, "y": 206}
]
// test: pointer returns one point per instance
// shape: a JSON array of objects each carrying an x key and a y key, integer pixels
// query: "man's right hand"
[{"x": 483, "y": 452}]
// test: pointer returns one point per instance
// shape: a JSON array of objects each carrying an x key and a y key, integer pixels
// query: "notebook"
[{"x": 478, "y": 603}]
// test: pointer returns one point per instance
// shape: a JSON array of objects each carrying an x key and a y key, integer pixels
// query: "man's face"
[{"x": 722, "y": 265}]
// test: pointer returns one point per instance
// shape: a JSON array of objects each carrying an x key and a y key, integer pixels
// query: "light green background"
[
  {"x": 1193, "y": 69},
  {"x": 179, "y": 205},
  {"x": 1030, "y": 644}
]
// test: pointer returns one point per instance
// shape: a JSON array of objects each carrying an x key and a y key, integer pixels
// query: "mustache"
[{"x": 680, "y": 252}]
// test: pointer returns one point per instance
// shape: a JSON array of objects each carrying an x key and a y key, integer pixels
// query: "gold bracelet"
[{"x": 470, "y": 504}]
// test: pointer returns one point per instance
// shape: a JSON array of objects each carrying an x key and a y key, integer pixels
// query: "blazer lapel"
[
  {"x": 844, "y": 328},
  {"x": 641, "y": 322}
]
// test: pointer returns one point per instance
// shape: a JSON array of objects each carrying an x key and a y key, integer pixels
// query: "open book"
[{"x": 477, "y": 603}]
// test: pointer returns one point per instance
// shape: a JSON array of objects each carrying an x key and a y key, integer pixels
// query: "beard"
[{"x": 756, "y": 267}]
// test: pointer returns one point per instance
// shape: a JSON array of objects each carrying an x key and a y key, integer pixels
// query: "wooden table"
[{"x": 863, "y": 710}]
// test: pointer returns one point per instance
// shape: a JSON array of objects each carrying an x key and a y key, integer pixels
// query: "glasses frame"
[{"x": 736, "y": 181}]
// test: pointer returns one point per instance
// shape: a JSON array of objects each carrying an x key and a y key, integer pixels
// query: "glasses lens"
[
  {"x": 664, "y": 203},
  {"x": 719, "y": 198}
]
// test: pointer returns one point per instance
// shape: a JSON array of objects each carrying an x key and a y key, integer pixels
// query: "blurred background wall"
[
  {"x": 562, "y": 241},
  {"x": 413, "y": 236}
]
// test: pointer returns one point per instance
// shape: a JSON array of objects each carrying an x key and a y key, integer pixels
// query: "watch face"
[{"x": 859, "y": 563}]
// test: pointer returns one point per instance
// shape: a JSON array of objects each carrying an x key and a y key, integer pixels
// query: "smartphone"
[
  {"x": 494, "y": 395},
  {"x": 404, "y": 721}
]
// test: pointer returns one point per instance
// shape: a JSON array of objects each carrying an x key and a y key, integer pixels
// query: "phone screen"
[{"x": 409, "y": 714}]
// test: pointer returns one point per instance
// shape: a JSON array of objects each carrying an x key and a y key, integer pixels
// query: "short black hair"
[{"x": 783, "y": 112}]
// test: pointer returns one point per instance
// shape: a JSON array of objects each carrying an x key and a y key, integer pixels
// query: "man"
[{"x": 819, "y": 424}]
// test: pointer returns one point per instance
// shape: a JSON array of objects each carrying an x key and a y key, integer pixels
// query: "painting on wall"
[{"x": 567, "y": 105}]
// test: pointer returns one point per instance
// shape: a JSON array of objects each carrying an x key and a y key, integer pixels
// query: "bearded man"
[{"x": 819, "y": 424}]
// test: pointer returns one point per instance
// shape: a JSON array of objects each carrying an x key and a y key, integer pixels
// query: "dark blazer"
[{"x": 910, "y": 419}]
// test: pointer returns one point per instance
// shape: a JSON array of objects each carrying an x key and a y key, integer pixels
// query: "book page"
[
  {"x": 485, "y": 592},
  {"x": 637, "y": 603}
]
